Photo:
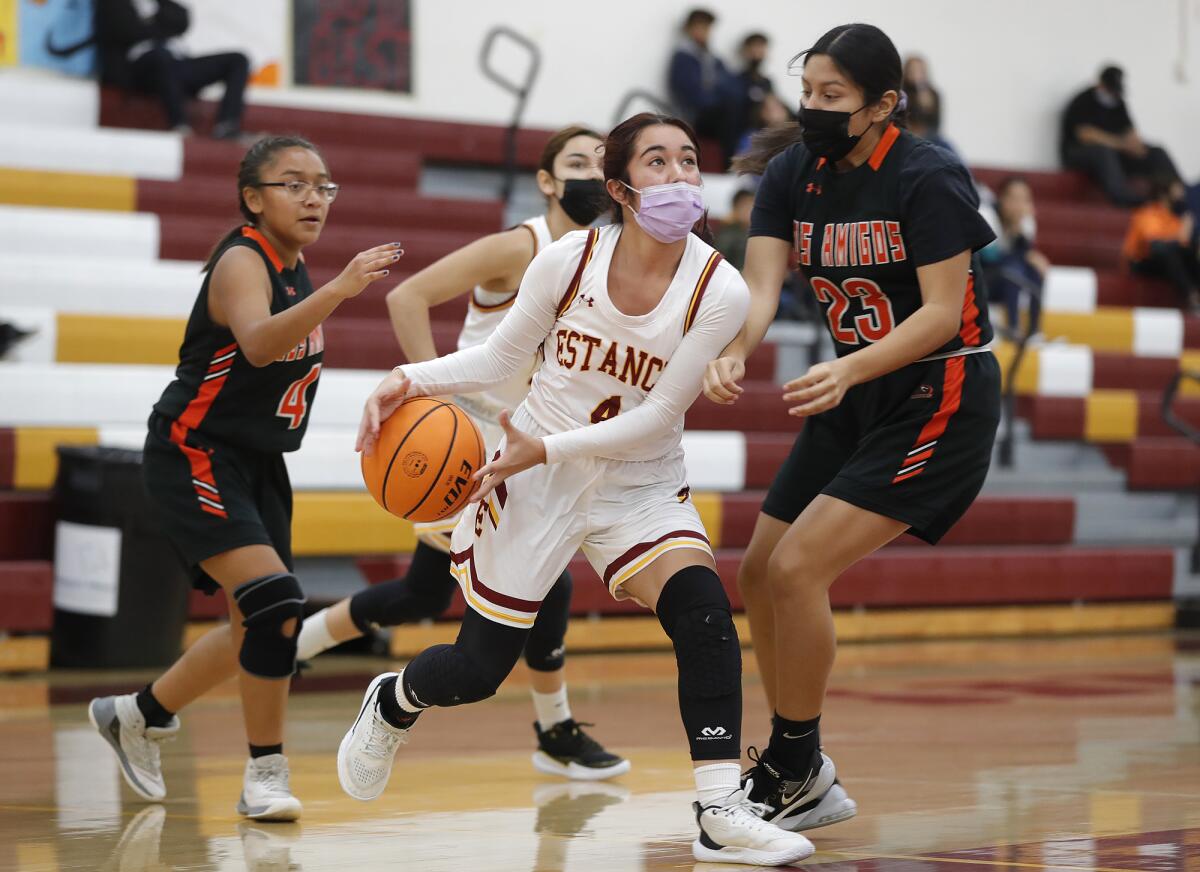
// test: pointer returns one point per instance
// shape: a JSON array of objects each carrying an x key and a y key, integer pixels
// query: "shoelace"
[
  {"x": 742, "y": 810},
  {"x": 382, "y": 741},
  {"x": 274, "y": 778}
]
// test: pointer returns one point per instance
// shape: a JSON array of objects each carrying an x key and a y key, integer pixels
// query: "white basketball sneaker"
[
  {"x": 119, "y": 722},
  {"x": 266, "y": 794},
  {"x": 365, "y": 756},
  {"x": 732, "y": 830},
  {"x": 831, "y": 808}
]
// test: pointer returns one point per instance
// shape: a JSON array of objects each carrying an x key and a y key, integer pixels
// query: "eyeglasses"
[{"x": 299, "y": 190}]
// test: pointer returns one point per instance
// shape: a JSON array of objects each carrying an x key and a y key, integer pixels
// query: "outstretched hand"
[
  {"x": 818, "y": 390},
  {"x": 385, "y": 399},
  {"x": 521, "y": 451}
]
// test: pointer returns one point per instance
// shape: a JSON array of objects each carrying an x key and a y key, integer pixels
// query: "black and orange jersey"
[
  {"x": 219, "y": 395},
  {"x": 860, "y": 235}
]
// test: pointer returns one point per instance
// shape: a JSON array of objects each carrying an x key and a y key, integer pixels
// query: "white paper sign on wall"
[{"x": 87, "y": 564}]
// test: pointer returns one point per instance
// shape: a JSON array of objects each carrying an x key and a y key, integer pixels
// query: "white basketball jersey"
[
  {"x": 485, "y": 311},
  {"x": 601, "y": 362}
]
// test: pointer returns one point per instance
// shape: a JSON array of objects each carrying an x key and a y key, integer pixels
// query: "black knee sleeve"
[
  {"x": 694, "y": 610},
  {"x": 424, "y": 592},
  {"x": 546, "y": 647},
  {"x": 266, "y": 604},
  {"x": 470, "y": 670}
]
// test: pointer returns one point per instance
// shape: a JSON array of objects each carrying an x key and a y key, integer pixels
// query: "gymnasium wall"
[{"x": 1004, "y": 69}]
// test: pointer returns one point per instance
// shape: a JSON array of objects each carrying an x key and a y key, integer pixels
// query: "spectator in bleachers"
[
  {"x": 139, "y": 50},
  {"x": 731, "y": 238},
  {"x": 1098, "y": 137},
  {"x": 708, "y": 96},
  {"x": 1161, "y": 240},
  {"x": 1015, "y": 270},
  {"x": 923, "y": 104},
  {"x": 756, "y": 86}
]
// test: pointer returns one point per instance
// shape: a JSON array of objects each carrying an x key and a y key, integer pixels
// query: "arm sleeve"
[
  {"x": 675, "y": 390},
  {"x": 941, "y": 217},
  {"x": 512, "y": 344},
  {"x": 773, "y": 212}
]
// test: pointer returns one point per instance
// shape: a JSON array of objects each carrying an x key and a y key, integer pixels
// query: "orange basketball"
[{"x": 422, "y": 466}]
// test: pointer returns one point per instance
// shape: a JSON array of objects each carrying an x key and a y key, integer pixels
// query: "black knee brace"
[
  {"x": 470, "y": 670},
  {"x": 424, "y": 592},
  {"x": 546, "y": 647},
  {"x": 266, "y": 605},
  {"x": 694, "y": 610}
]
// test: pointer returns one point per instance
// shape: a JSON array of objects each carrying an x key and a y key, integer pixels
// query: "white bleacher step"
[
  {"x": 76, "y": 234},
  {"x": 43, "y": 97},
  {"x": 141, "y": 154},
  {"x": 117, "y": 400},
  {"x": 101, "y": 285}
]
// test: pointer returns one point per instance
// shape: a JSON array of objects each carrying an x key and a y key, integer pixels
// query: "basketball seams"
[
  {"x": 387, "y": 473},
  {"x": 482, "y": 454},
  {"x": 445, "y": 458}
]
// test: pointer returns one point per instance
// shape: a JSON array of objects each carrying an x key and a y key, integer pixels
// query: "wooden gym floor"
[{"x": 998, "y": 755}]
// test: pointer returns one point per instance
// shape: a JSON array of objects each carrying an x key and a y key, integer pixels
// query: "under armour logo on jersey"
[
  {"x": 291, "y": 292},
  {"x": 813, "y": 188},
  {"x": 591, "y": 301}
]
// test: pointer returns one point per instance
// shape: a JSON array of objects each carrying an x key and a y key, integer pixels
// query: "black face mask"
[
  {"x": 1178, "y": 206},
  {"x": 584, "y": 200},
  {"x": 826, "y": 133}
]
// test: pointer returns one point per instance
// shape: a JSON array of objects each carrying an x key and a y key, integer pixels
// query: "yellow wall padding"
[
  {"x": 1106, "y": 329},
  {"x": 709, "y": 507},
  {"x": 67, "y": 191},
  {"x": 118, "y": 339},
  {"x": 37, "y": 461},
  {"x": 1027, "y": 375},
  {"x": 1111, "y": 416},
  {"x": 325, "y": 524}
]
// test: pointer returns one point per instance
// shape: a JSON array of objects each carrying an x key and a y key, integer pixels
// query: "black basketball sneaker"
[{"x": 566, "y": 750}]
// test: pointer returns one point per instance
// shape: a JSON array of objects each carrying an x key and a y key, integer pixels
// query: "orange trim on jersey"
[
  {"x": 572, "y": 289},
  {"x": 970, "y": 332},
  {"x": 820, "y": 163},
  {"x": 190, "y": 419},
  {"x": 952, "y": 385},
  {"x": 884, "y": 146},
  {"x": 706, "y": 275},
  {"x": 268, "y": 249}
]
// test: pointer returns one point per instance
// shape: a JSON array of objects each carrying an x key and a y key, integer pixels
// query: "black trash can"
[{"x": 120, "y": 588}]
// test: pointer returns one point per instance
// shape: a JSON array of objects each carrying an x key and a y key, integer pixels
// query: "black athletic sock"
[
  {"x": 257, "y": 751},
  {"x": 151, "y": 709},
  {"x": 794, "y": 743},
  {"x": 390, "y": 708}
]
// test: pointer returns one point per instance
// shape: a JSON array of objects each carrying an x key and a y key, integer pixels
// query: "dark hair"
[
  {"x": 618, "y": 152},
  {"x": 752, "y": 38},
  {"x": 865, "y": 55},
  {"x": 1161, "y": 182},
  {"x": 1007, "y": 183},
  {"x": 741, "y": 194},
  {"x": 1113, "y": 78},
  {"x": 698, "y": 16},
  {"x": 259, "y": 155},
  {"x": 558, "y": 141}
]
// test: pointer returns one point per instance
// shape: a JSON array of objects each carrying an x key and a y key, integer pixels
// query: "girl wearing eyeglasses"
[{"x": 214, "y": 470}]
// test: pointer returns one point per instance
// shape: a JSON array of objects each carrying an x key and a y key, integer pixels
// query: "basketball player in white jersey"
[
  {"x": 490, "y": 270},
  {"x": 627, "y": 318}
]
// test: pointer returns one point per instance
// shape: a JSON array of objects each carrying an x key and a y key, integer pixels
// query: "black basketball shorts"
[
  {"x": 213, "y": 498},
  {"x": 914, "y": 445}
]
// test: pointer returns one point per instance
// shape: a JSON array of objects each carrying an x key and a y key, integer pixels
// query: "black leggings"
[
  {"x": 1176, "y": 263},
  {"x": 426, "y": 590}
]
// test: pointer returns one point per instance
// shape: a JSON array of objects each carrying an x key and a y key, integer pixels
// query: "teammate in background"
[
  {"x": 214, "y": 469},
  {"x": 900, "y": 426},
  {"x": 627, "y": 317},
  {"x": 569, "y": 176}
]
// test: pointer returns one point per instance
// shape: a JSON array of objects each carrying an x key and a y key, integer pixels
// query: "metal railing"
[
  {"x": 663, "y": 107},
  {"x": 1008, "y": 439},
  {"x": 1186, "y": 430},
  {"x": 519, "y": 89}
]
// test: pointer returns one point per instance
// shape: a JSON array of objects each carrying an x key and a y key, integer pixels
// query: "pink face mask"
[{"x": 668, "y": 212}]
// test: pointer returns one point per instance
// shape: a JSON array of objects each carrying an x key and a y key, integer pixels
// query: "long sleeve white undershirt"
[{"x": 530, "y": 321}]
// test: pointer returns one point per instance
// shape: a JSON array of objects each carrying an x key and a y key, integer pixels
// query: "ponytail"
[
  {"x": 764, "y": 145},
  {"x": 211, "y": 260}
]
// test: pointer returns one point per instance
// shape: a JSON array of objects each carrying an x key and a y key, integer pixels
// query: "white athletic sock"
[
  {"x": 715, "y": 781},
  {"x": 401, "y": 699},
  {"x": 314, "y": 637},
  {"x": 552, "y": 708}
]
